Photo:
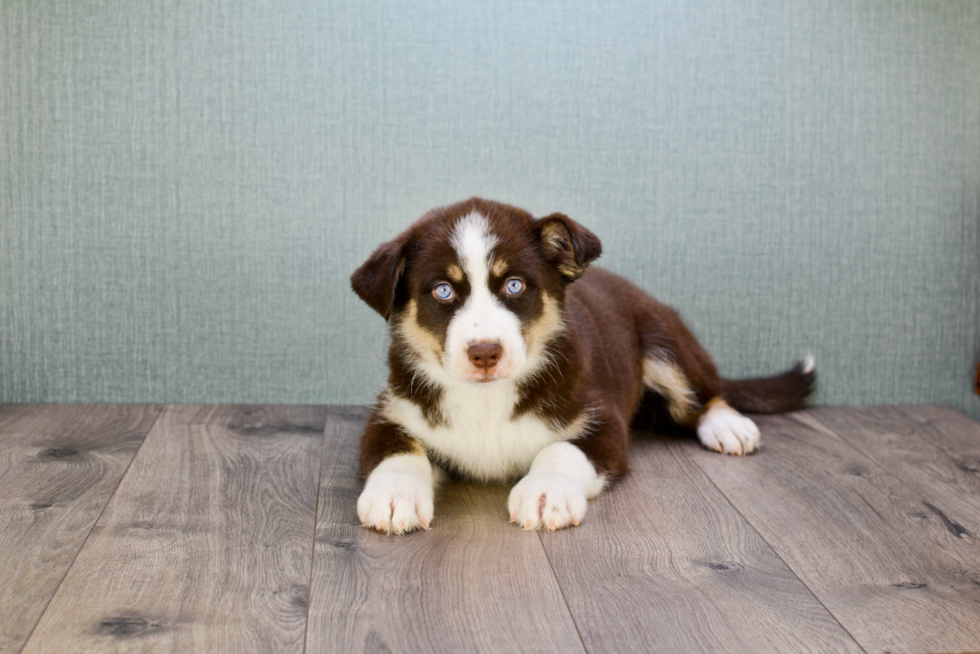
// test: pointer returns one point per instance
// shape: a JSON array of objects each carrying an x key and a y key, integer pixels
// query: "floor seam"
[
  {"x": 776, "y": 552},
  {"x": 94, "y": 525},
  {"x": 316, "y": 522},
  {"x": 564, "y": 597}
]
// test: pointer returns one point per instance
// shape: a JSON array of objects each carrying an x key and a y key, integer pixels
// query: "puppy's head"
[{"x": 475, "y": 291}]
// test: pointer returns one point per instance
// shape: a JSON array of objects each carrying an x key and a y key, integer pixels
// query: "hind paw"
[{"x": 723, "y": 429}]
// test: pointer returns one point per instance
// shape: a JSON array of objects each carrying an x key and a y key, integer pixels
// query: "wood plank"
[
  {"x": 59, "y": 465},
  {"x": 663, "y": 563},
  {"x": 951, "y": 431},
  {"x": 471, "y": 583},
  {"x": 859, "y": 536},
  {"x": 205, "y": 545},
  {"x": 909, "y": 448}
]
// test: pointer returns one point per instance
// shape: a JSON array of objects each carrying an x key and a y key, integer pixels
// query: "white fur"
[
  {"x": 809, "y": 363},
  {"x": 480, "y": 437},
  {"x": 397, "y": 497},
  {"x": 556, "y": 490},
  {"x": 483, "y": 318},
  {"x": 723, "y": 429}
]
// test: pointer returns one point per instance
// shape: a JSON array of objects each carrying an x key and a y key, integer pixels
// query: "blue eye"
[
  {"x": 514, "y": 286},
  {"x": 443, "y": 291}
]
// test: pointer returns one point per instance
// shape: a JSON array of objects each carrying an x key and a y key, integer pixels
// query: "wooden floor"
[{"x": 232, "y": 529}]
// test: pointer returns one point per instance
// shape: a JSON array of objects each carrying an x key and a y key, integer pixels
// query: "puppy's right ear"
[{"x": 377, "y": 279}]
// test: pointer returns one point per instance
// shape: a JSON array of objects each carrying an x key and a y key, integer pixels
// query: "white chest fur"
[{"x": 479, "y": 436}]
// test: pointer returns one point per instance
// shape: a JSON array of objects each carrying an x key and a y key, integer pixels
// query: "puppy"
[{"x": 511, "y": 358}]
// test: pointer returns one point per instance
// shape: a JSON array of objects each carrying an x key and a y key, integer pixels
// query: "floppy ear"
[
  {"x": 567, "y": 245},
  {"x": 377, "y": 279}
]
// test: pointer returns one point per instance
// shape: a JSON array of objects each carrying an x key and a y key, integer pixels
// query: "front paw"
[
  {"x": 395, "y": 502},
  {"x": 547, "y": 499}
]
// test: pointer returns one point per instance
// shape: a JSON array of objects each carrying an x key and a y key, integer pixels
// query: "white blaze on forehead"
[
  {"x": 483, "y": 317},
  {"x": 474, "y": 243}
]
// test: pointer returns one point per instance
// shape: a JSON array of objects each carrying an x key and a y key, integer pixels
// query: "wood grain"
[
  {"x": 663, "y": 563},
  {"x": 59, "y": 465},
  {"x": 471, "y": 583},
  {"x": 205, "y": 545},
  {"x": 207, "y": 541},
  {"x": 911, "y": 449},
  {"x": 859, "y": 535},
  {"x": 949, "y": 430}
]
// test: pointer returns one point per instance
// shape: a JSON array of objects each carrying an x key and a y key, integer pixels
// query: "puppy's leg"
[
  {"x": 565, "y": 475},
  {"x": 555, "y": 493},
  {"x": 677, "y": 367},
  {"x": 397, "y": 496}
]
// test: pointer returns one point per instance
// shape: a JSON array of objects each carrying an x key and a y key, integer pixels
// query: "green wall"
[{"x": 185, "y": 187}]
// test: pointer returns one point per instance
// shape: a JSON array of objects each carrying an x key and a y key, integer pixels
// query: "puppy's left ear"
[
  {"x": 376, "y": 281},
  {"x": 567, "y": 245}
]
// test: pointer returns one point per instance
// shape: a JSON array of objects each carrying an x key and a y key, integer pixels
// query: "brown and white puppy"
[{"x": 511, "y": 358}]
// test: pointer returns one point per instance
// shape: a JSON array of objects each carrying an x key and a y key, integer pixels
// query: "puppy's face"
[{"x": 474, "y": 291}]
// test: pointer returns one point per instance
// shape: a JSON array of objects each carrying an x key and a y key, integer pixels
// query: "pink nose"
[{"x": 485, "y": 355}]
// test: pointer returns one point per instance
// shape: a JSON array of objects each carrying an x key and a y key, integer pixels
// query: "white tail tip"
[{"x": 809, "y": 363}]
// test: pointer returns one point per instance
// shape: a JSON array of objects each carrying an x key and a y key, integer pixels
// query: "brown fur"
[
  {"x": 596, "y": 327},
  {"x": 382, "y": 439}
]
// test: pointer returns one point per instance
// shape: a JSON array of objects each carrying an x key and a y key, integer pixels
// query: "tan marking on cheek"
[
  {"x": 420, "y": 339},
  {"x": 667, "y": 379},
  {"x": 547, "y": 325},
  {"x": 455, "y": 273},
  {"x": 499, "y": 267}
]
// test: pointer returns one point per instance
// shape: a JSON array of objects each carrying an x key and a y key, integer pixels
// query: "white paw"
[
  {"x": 547, "y": 499},
  {"x": 395, "y": 502},
  {"x": 723, "y": 429}
]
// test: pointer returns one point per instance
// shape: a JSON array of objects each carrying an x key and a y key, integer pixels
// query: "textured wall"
[{"x": 186, "y": 186}]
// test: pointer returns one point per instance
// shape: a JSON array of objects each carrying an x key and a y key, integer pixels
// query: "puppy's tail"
[{"x": 785, "y": 392}]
